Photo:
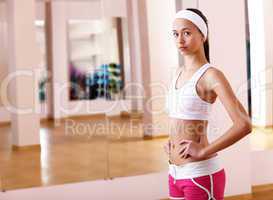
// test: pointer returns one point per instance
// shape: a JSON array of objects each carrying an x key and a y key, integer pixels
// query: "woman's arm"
[{"x": 241, "y": 121}]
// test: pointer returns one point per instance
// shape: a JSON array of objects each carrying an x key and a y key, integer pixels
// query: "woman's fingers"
[
  {"x": 182, "y": 149},
  {"x": 184, "y": 141},
  {"x": 186, "y": 151}
]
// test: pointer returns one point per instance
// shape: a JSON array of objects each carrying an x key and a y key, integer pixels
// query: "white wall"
[{"x": 261, "y": 30}]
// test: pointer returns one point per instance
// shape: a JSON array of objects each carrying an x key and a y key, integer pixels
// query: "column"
[
  {"x": 23, "y": 58},
  {"x": 140, "y": 61}
]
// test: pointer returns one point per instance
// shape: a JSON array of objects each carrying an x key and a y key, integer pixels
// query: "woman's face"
[{"x": 187, "y": 36}]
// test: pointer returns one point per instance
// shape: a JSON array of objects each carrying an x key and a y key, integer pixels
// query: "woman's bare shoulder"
[
  {"x": 214, "y": 71},
  {"x": 214, "y": 76}
]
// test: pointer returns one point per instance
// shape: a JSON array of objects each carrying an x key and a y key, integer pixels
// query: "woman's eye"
[
  {"x": 175, "y": 34},
  {"x": 187, "y": 33}
]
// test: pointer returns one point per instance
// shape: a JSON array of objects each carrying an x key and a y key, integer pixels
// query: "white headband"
[{"x": 195, "y": 19}]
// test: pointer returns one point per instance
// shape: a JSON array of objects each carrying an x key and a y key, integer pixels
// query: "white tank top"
[{"x": 184, "y": 102}]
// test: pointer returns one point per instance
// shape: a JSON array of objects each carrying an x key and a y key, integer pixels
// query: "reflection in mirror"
[
  {"x": 101, "y": 136},
  {"x": 22, "y": 167},
  {"x": 43, "y": 74},
  {"x": 129, "y": 153},
  {"x": 95, "y": 69}
]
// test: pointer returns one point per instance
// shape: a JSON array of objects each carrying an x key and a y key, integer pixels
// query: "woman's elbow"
[{"x": 247, "y": 127}]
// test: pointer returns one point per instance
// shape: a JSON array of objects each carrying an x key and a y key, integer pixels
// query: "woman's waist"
[
  {"x": 188, "y": 129},
  {"x": 176, "y": 159},
  {"x": 195, "y": 168},
  {"x": 176, "y": 147},
  {"x": 176, "y": 139}
]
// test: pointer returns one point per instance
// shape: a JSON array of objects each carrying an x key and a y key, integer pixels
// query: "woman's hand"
[
  {"x": 192, "y": 149},
  {"x": 167, "y": 147},
  {"x": 172, "y": 153}
]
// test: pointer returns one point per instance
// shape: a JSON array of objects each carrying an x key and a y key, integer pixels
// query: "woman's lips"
[{"x": 182, "y": 48}]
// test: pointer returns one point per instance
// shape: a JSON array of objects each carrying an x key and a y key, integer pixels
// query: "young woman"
[{"x": 194, "y": 170}]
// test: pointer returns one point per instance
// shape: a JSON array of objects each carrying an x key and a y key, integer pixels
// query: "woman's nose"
[{"x": 180, "y": 39}]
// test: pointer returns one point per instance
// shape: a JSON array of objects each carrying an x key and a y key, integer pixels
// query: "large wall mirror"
[
  {"x": 96, "y": 59},
  {"x": 102, "y": 139}
]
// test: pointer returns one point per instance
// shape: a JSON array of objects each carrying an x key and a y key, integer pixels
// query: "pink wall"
[
  {"x": 261, "y": 167},
  {"x": 228, "y": 53},
  {"x": 146, "y": 187},
  {"x": 163, "y": 58},
  {"x": 116, "y": 9}
]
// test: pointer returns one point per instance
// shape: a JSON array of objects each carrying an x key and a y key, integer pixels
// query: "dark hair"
[{"x": 206, "y": 43}]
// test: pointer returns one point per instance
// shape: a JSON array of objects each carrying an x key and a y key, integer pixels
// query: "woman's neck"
[{"x": 193, "y": 62}]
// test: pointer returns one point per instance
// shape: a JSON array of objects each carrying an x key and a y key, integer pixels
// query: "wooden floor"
[
  {"x": 263, "y": 195},
  {"x": 89, "y": 149},
  {"x": 69, "y": 156}
]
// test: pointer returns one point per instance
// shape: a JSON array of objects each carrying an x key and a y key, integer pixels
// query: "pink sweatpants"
[{"x": 210, "y": 187}]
